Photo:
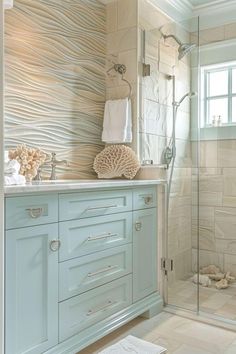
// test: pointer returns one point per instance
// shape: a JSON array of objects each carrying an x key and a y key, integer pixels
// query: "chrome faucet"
[{"x": 53, "y": 163}]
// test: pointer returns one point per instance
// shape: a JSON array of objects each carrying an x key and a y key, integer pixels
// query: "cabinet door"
[
  {"x": 31, "y": 289},
  {"x": 144, "y": 253}
]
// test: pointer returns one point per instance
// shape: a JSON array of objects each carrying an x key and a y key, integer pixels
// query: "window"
[{"x": 219, "y": 95}]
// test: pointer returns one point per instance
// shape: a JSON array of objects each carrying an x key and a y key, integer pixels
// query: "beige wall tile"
[
  {"x": 122, "y": 40},
  {"x": 229, "y": 175},
  {"x": 225, "y": 223},
  {"x": 212, "y": 35},
  {"x": 129, "y": 58},
  {"x": 208, "y": 153},
  {"x": 229, "y": 201},
  {"x": 226, "y": 153},
  {"x": 210, "y": 183},
  {"x": 127, "y": 13},
  {"x": 230, "y": 264},
  {"x": 111, "y": 17},
  {"x": 206, "y": 258},
  {"x": 225, "y": 246},
  {"x": 167, "y": 54}
]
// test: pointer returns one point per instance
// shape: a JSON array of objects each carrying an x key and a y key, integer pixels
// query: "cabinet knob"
[
  {"x": 55, "y": 245},
  {"x": 138, "y": 225},
  {"x": 148, "y": 200}
]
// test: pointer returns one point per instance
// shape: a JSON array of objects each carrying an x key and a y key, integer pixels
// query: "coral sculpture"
[
  {"x": 116, "y": 161},
  {"x": 222, "y": 284},
  {"x": 211, "y": 269},
  {"x": 229, "y": 277},
  {"x": 216, "y": 277},
  {"x": 201, "y": 279},
  {"x": 30, "y": 159}
]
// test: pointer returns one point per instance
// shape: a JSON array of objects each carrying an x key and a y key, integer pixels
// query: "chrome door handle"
[
  {"x": 102, "y": 270},
  {"x": 100, "y": 237},
  {"x": 138, "y": 225},
  {"x": 93, "y": 312},
  {"x": 55, "y": 245},
  {"x": 101, "y": 207},
  {"x": 35, "y": 212}
]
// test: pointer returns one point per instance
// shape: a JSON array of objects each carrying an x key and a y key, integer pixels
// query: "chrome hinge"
[
  {"x": 167, "y": 264},
  {"x": 146, "y": 70}
]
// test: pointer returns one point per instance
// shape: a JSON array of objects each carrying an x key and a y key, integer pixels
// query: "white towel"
[
  {"x": 14, "y": 180},
  {"x": 133, "y": 345},
  {"x": 12, "y": 167},
  {"x": 117, "y": 123}
]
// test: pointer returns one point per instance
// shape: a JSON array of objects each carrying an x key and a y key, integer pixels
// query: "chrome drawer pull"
[
  {"x": 101, "y": 207},
  {"x": 93, "y": 312},
  {"x": 100, "y": 237},
  {"x": 102, "y": 270},
  {"x": 138, "y": 225},
  {"x": 55, "y": 245},
  {"x": 35, "y": 212}
]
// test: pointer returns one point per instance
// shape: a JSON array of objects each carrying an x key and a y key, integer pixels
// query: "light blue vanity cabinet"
[
  {"x": 78, "y": 265},
  {"x": 31, "y": 290}
]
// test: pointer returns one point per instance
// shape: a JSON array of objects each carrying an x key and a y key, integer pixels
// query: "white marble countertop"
[{"x": 69, "y": 185}]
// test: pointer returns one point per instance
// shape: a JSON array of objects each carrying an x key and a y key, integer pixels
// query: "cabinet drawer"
[
  {"x": 31, "y": 210},
  {"x": 84, "y": 310},
  {"x": 84, "y": 273},
  {"x": 144, "y": 198},
  {"x": 84, "y": 205},
  {"x": 82, "y": 237}
]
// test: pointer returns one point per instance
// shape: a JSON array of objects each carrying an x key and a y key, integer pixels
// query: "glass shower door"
[
  {"x": 167, "y": 141},
  {"x": 217, "y": 176}
]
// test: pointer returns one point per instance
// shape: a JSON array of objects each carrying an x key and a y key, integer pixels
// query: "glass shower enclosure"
[{"x": 188, "y": 133}]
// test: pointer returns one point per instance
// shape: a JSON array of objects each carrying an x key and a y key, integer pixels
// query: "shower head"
[
  {"x": 184, "y": 48},
  {"x": 189, "y": 94}
]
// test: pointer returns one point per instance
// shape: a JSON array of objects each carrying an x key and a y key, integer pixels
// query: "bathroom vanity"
[{"x": 81, "y": 260}]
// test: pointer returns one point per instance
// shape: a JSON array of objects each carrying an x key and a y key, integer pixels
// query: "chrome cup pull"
[
  {"x": 55, "y": 245},
  {"x": 35, "y": 212},
  {"x": 148, "y": 199},
  {"x": 103, "y": 308},
  {"x": 138, "y": 225}
]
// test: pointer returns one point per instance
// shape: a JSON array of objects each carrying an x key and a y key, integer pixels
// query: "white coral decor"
[
  {"x": 116, "y": 161},
  {"x": 29, "y": 158}
]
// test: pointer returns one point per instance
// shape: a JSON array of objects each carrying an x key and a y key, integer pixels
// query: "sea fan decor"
[
  {"x": 29, "y": 158},
  {"x": 116, "y": 161}
]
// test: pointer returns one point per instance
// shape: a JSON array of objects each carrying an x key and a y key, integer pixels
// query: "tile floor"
[
  {"x": 179, "y": 335},
  {"x": 222, "y": 303}
]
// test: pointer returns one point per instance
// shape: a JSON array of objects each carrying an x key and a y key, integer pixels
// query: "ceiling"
[
  {"x": 213, "y": 13},
  {"x": 201, "y": 2}
]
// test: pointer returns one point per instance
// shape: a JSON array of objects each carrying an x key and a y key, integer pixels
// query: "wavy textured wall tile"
[{"x": 55, "y": 81}]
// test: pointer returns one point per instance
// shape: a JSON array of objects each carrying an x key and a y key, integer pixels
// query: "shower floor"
[{"x": 221, "y": 303}]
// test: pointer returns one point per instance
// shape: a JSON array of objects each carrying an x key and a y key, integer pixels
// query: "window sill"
[{"x": 218, "y": 133}]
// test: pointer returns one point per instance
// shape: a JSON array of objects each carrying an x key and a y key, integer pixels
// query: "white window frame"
[{"x": 206, "y": 71}]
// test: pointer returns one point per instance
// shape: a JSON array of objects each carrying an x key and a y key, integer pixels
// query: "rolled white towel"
[
  {"x": 14, "y": 180},
  {"x": 12, "y": 167}
]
